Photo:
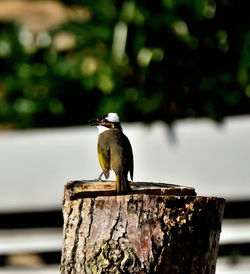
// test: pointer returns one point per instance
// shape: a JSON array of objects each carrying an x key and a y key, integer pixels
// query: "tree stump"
[{"x": 158, "y": 228}]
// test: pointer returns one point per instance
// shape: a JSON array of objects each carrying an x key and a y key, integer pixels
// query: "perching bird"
[{"x": 114, "y": 151}]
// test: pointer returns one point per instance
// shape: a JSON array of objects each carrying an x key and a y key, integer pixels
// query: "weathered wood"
[
  {"x": 92, "y": 188},
  {"x": 145, "y": 232}
]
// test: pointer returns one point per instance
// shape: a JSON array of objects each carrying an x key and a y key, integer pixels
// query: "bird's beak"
[{"x": 93, "y": 122}]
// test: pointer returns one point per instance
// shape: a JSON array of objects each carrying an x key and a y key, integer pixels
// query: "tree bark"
[{"x": 147, "y": 231}]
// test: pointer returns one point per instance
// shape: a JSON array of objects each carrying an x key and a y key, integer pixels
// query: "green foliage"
[{"x": 146, "y": 60}]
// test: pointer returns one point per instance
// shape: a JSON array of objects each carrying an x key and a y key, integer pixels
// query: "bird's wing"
[
  {"x": 131, "y": 166},
  {"x": 104, "y": 159},
  {"x": 129, "y": 157}
]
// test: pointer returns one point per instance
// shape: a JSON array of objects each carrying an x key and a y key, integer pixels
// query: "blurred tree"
[{"x": 146, "y": 60}]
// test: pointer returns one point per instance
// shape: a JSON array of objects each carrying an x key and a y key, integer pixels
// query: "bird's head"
[{"x": 107, "y": 121}]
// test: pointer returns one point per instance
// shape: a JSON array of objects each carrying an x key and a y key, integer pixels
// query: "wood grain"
[{"x": 140, "y": 232}]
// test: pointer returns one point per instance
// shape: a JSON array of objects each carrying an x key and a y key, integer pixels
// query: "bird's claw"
[{"x": 99, "y": 179}]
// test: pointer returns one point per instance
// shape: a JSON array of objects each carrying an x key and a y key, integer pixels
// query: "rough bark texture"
[{"x": 140, "y": 233}]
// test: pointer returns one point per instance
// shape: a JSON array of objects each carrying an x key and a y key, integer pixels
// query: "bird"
[{"x": 114, "y": 151}]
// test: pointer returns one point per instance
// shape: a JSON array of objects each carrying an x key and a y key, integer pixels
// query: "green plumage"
[{"x": 115, "y": 152}]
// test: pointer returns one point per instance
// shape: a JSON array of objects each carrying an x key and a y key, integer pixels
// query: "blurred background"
[{"x": 177, "y": 72}]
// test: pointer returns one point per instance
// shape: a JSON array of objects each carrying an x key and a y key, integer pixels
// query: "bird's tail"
[{"x": 122, "y": 184}]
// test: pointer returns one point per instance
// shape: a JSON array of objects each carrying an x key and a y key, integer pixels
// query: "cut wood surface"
[
  {"x": 92, "y": 188},
  {"x": 158, "y": 230}
]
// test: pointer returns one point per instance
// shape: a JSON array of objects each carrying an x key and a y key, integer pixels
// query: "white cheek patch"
[{"x": 101, "y": 129}]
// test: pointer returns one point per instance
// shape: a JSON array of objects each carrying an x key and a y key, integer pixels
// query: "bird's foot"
[{"x": 99, "y": 179}]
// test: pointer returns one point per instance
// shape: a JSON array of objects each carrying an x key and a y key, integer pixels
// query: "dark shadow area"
[
  {"x": 31, "y": 220},
  {"x": 235, "y": 250},
  {"x": 237, "y": 210}
]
